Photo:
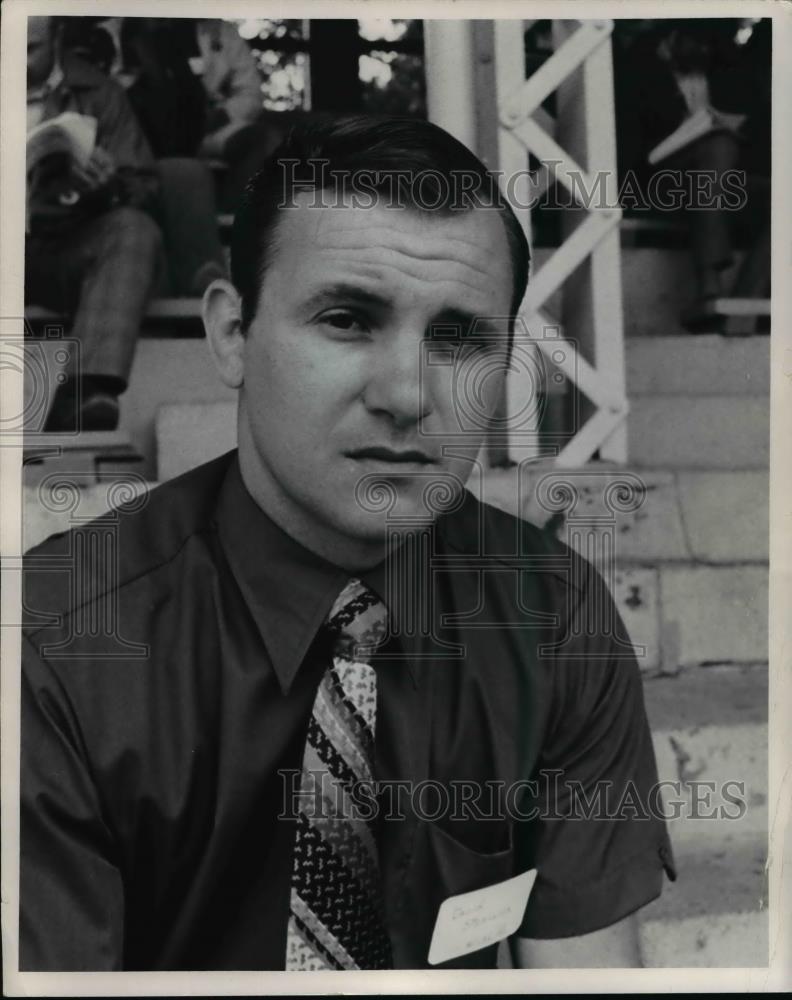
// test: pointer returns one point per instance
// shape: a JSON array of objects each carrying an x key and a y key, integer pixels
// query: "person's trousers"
[
  {"x": 189, "y": 222},
  {"x": 711, "y": 236},
  {"x": 246, "y": 151},
  {"x": 102, "y": 272}
]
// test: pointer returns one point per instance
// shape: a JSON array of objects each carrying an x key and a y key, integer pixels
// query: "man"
[
  {"x": 313, "y": 636},
  {"x": 91, "y": 249}
]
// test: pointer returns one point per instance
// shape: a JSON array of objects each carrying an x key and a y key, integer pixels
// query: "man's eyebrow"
[
  {"x": 464, "y": 319},
  {"x": 343, "y": 290}
]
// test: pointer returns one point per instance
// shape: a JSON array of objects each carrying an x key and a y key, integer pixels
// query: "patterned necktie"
[{"x": 336, "y": 919}]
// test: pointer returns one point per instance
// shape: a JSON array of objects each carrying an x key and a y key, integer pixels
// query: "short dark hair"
[{"x": 409, "y": 158}]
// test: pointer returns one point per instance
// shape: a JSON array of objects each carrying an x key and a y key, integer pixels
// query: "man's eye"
[{"x": 341, "y": 319}]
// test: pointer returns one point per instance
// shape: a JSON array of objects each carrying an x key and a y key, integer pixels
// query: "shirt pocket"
[{"x": 444, "y": 866}]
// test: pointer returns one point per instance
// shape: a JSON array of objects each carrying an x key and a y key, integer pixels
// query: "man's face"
[
  {"x": 40, "y": 50},
  {"x": 348, "y": 398}
]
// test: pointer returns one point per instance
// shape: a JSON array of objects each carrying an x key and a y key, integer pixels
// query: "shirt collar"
[{"x": 289, "y": 590}]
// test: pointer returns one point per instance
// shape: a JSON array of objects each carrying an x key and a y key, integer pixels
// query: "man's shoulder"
[{"x": 128, "y": 543}]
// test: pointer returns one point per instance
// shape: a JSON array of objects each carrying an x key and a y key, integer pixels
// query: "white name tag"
[{"x": 480, "y": 918}]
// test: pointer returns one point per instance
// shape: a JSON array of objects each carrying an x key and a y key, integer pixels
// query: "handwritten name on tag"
[{"x": 474, "y": 920}]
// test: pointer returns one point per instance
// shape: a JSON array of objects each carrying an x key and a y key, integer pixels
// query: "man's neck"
[{"x": 348, "y": 553}]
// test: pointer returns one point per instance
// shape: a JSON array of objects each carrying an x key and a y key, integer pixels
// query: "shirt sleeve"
[
  {"x": 71, "y": 892},
  {"x": 598, "y": 840}
]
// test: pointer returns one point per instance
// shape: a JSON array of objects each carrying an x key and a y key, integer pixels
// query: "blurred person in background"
[
  {"x": 667, "y": 71},
  {"x": 195, "y": 88},
  {"x": 151, "y": 59},
  {"x": 92, "y": 248}
]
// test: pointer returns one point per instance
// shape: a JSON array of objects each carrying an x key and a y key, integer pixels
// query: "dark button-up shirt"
[{"x": 171, "y": 658}]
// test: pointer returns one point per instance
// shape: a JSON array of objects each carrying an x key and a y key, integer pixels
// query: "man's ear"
[{"x": 222, "y": 318}]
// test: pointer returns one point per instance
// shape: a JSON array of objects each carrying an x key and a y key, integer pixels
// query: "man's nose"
[{"x": 396, "y": 387}]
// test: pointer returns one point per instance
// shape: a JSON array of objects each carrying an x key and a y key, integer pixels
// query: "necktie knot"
[{"x": 357, "y": 622}]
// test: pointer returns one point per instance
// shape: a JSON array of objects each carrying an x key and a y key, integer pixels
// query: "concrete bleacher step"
[
  {"x": 698, "y": 365},
  {"x": 699, "y": 402},
  {"x": 689, "y": 587},
  {"x": 699, "y": 432},
  {"x": 659, "y": 283},
  {"x": 710, "y": 726},
  {"x": 190, "y": 434},
  {"x": 730, "y": 941},
  {"x": 165, "y": 370}
]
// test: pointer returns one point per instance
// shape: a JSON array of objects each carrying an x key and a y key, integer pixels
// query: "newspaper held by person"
[{"x": 69, "y": 132}]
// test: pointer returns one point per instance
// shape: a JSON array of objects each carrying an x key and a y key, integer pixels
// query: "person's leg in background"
[
  {"x": 106, "y": 270},
  {"x": 711, "y": 237},
  {"x": 752, "y": 280},
  {"x": 188, "y": 215},
  {"x": 246, "y": 150}
]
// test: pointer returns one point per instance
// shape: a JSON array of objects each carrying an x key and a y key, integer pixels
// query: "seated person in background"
[
  {"x": 150, "y": 58},
  {"x": 196, "y": 89},
  {"x": 233, "y": 127},
  {"x": 668, "y": 74},
  {"x": 230, "y": 125},
  {"x": 231, "y": 81},
  {"x": 92, "y": 247}
]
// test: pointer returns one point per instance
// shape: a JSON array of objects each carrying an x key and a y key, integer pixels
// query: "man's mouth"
[{"x": 410, "y": 456}]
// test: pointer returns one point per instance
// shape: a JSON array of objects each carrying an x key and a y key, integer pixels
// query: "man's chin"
[{"x": 382, "y": 508}]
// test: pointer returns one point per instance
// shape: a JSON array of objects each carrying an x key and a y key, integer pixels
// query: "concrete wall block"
[
  {"x": 708, "y": 696},
  {"x": 190, "y": 434},
  {"x": 726, "y": 515},
  {"x": 166, "y": 372},
  {"x": 704, "y": 365},
  {"x": 717, "y": 775},
  {"x": 714, "y": 877},
  {"x": 636, "y": 594},
  {"x": 715, "y": 432},
  {"x": 718, "y": 614},
  {"x": 657, "y": 284},
  {"x": 649, "y": 530}
]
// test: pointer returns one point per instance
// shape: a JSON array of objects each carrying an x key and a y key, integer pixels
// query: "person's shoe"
[
  {"x": 100, "y": 412},
  {"x": 698, "y": 319}
]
